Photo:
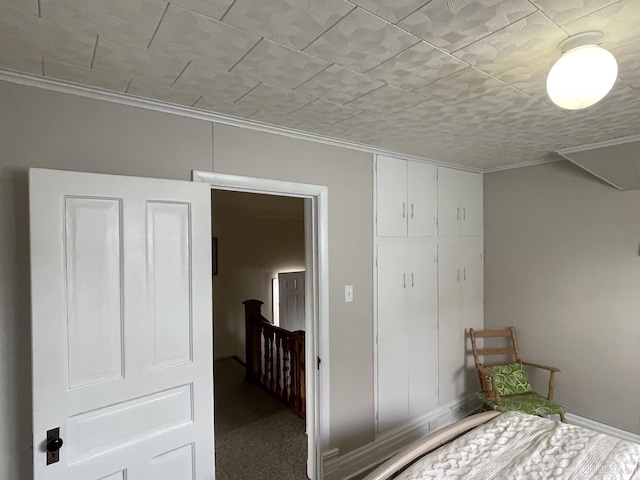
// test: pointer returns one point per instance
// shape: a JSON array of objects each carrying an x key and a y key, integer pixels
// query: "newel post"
[{"x": 252, "y": 314}]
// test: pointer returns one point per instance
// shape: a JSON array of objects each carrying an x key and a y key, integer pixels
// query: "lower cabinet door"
[
  {"x": 422, "y": 328},
  {"x": 407, "y": 353},
  {"x": 460, "y": 298},
  {"x": 393, "y": 377}
]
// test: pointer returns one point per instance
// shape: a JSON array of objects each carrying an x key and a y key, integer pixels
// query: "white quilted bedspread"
[{"x": 520, "y": 446}]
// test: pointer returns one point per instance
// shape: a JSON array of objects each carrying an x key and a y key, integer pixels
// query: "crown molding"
[
  {"x": 597, "y": 175},
  {"x": 522, "y": 165},
  {"x": 192, "y": 112},
  {"x": 592, "y": 146}
]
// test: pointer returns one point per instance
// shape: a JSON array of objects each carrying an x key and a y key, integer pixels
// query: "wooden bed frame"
[{"x": 428, "y": 444}]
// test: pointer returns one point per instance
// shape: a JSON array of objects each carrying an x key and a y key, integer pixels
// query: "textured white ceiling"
[{"x": 459, "y": 81}]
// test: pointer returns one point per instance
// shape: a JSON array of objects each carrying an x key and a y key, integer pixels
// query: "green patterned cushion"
[
  {"x": 532, "y": 403},
  {"x": 511, "y": 379}
]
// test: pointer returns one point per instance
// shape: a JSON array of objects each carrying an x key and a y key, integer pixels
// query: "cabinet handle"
[
  {"x": 404, "y": 280},
  {"x": 464, "y": 213},
  {"x": 412, "y": 282},
  {"x": 458, "y": 214},
  {"x": 465, "y": 274},
  {"x": 412, "y": 210},
  {"x": 404, "y": 210},
  {"x": 458, "y": 274}
]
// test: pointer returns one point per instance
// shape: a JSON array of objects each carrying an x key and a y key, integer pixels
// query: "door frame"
[{"x": 316, "y": 209}]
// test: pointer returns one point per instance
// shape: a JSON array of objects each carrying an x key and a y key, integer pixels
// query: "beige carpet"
[{"x": 257, "y": 438}]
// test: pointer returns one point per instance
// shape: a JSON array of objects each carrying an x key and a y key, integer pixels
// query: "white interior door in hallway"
[
  {"x": 291, "y": 291},
  {"x": 121, "y": 327}
]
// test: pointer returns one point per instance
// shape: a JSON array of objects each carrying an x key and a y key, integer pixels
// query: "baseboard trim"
[
  {"x": 602, "y": 428},
  {"x": 387, "y": 444}
]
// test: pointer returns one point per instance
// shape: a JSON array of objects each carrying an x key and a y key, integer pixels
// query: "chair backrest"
[{"x": 509, "y": 333}]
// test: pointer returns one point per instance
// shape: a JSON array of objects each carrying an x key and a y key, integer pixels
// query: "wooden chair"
[{"x": 505, "y": 387}]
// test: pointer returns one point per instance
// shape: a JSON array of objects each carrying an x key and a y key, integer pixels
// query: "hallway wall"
[{"x": 258, "y": 237}]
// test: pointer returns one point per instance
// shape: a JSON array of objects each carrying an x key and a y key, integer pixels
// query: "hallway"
[{"x": 256, "y": 437}]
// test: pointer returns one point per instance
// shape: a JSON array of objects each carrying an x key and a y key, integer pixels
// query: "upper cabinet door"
[
  {"x": 391, "y": 197},
  {"x": 459, "y": 203},
  {"x": 422, "y": 200},
  {"x": 471, "y": 204},
  {"x": 448, "y": 202}
]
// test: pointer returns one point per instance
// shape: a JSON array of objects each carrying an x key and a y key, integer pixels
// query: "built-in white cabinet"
[
  {"x": 428, "y": 289},
  {"x": 460, "y": 307},
  {"x": 459, "y": 203},
  {"x": 407, "y": 332},
  {"x": 406, "y": 198}
]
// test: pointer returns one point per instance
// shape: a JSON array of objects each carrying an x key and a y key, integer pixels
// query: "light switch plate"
[{"x": 348, "y": 293}]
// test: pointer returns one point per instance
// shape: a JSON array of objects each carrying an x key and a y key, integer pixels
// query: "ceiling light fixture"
[{"x": 584, "y": 74}]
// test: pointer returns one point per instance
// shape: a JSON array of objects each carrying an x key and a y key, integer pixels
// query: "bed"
[{"x": 513, "y": 445}]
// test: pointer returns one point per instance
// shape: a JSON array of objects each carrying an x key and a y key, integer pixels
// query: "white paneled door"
[
  {"x": 121, "y": 328},
  {"x": 291, "y": 288}
]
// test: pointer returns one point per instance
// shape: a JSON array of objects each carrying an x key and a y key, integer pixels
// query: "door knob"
[{"x": 54, "y": 444}]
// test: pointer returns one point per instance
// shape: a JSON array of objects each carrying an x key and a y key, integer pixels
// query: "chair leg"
[{"x": 562, "y": 419}]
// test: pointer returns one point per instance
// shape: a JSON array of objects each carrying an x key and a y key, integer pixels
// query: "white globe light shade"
[{"x": 581, "y": 77}]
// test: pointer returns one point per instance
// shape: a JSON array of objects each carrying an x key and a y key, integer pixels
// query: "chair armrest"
[
  {"x": 544, "y": 367},
  {"x": 486, "y": 371},
  {"x": 551, "y": 370},
  {"x": 494, "y": 388}
]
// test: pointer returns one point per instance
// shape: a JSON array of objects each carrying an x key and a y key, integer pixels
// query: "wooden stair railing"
[{"x": 274, "y": 358}]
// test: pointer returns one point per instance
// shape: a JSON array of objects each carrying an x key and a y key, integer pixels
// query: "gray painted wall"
[
  {"x": 562, "y": 265},
  {"x": 40, "y": 128}
]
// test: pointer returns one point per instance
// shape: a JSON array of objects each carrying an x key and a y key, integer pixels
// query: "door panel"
[
  {"x": 471, "y": 203},
  {"x": 471, "y": 302},
  {"x": 448, "y": 202},
  {"x": 422, "y": 328},
  {"x": 423, "y": 199},
  {"x": 450, "y": 328},
  {"x": 92, "y": 229},
  {"x": 121, "y": 326},
  {"x": 168, "y": 246},
  {"x": 291, "y": 288},
  {"x": 176, "y": 464},
  {"x": 393, "y": 378},
  {"x": 391, "y": 197}
]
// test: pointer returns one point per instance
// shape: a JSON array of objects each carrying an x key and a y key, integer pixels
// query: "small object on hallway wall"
[
  {"x": 214, "y": 255},
  {"x": 348, "y": 293}
]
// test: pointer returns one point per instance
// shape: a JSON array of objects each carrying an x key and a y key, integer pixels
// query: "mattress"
[{"x": 516, "y": 445}]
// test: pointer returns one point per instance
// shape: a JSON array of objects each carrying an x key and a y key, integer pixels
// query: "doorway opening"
[
  {"x": 259, "y": 364},
  {"x": 316, "y": 338}
]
